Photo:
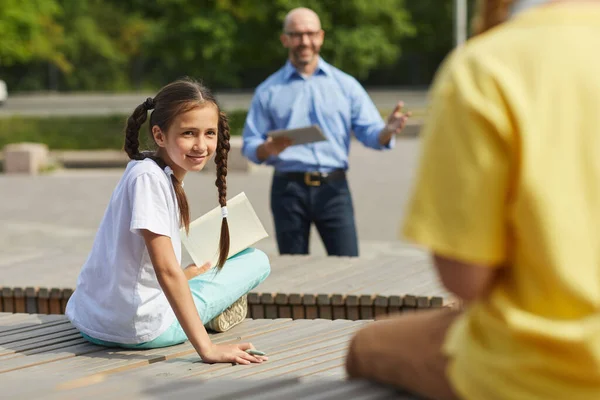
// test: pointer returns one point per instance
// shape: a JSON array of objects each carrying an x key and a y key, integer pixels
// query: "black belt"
[{"x": 313, "y": 178}]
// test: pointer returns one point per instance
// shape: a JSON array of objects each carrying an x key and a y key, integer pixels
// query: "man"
[{"x": 309, "y": 183}]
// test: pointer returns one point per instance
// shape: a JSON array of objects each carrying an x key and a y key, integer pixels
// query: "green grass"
[
  {"x": 91, "y": 132},
  {"x": 81, "y": 133}
]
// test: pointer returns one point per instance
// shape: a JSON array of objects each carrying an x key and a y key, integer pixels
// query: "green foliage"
[
  {"x": 121, "y": 45},
  {"x": 82, "y": 133},
  {"x": 29, "y": 32}
]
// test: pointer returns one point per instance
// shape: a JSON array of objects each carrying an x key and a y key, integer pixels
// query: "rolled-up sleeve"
[
  {"x": 367, "y": 123},
  {"x": 256, "y": 127}
]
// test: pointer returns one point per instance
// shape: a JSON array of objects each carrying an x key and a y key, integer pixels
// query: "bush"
[{"x": 81, "y": 133}]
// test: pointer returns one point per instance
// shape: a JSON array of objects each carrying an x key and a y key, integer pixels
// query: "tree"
[
  {"x": 30, "y": 33},
  {"x": 361, "y": 35}
]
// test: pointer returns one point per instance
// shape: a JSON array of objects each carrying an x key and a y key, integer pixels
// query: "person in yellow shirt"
[{"x": 508, "y": 202}]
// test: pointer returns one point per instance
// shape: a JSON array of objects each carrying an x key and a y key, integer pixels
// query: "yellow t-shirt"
[{"x": 510, "y": 174}]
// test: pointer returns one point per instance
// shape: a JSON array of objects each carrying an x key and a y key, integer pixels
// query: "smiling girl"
[{"x": 132, "y": 291}]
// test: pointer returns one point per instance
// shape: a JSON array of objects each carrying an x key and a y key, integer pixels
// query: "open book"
[{"x": 245, "y": 229}]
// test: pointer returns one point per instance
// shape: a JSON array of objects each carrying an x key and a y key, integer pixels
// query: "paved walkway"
[
  {"x": 48, "y": 222},
  {"x": 101, "y": 104}
]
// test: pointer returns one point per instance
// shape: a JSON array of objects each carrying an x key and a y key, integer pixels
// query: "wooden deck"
[
  {"x": 305, "y": 287},
  {"x": 45, "y": 356}
]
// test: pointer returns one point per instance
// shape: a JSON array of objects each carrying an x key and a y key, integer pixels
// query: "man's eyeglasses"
[{"x": 300, "y": 35}]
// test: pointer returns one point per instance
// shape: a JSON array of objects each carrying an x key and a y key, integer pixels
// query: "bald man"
[{"x": 309, "y": 182}]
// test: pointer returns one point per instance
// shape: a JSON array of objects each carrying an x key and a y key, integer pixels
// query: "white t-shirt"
[{"x": 118, "y": 298}]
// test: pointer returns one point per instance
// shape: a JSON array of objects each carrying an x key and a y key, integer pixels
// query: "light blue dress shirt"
[{"x": 329, "y": 98}]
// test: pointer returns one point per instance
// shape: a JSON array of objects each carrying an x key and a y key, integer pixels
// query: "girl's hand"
[
  {"x": 192, "y": 271},
  {"x": 231, "y": 353}
]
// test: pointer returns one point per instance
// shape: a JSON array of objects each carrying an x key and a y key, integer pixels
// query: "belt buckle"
[{"x": 308, "y": 181}]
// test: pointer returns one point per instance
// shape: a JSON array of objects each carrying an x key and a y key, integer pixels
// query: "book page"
[{"x": 245, "y": 229}]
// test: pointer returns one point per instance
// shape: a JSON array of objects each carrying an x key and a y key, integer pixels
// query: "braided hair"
[{"x": 174, "y": 99}]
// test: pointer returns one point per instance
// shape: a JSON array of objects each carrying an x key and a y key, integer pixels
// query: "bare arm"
[
  {"x": 174, "y": 283},
  {"x": 470, "y": 282}
]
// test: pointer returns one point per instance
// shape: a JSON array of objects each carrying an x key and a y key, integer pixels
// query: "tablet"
[{"x": 309, "y": 134}]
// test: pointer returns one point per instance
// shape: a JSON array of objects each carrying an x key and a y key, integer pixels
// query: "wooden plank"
[
  {"x": 324, "y": 306},
  {"x": 283, "y": 306},
  {"x": 355, "y": 390},
  {"x": 437, "y": 302},
  {"x": 380, "y": 306},
  {"x": 352, "y": 308},
  {"x": 41, "y": 332},
  {"x": 268, "y": 301},
  {"x": 54, "y": 346},
  {"x": 282, "y": 352},
  {"x": 66, "y": 295},
  {"x": 19, "y": 299},
  {"x": 7, "y": 300},
  {"x": 30, "y": 301},
  {"x": 332, "y": 278},
  {"x": 289, "y": 337},
  {"x": 13, "y": 319},
  {"x": 366, "y": 307},
  {"x": 298, "y": 312},
  {"x": 423, "y": 302},
  {"x": 120, "y": 360},
  {"x": 26, "y": 322},
  {"x": 43, "y": 298},
  {"x": 310, "y": 306},
  {"x": 338, "y": 308},
  {"x": 167, "y": 355},
  {"x": 111, "y": 387},
  {"x": 305, "y": 277},
  {"x": 54, "y": 302},
  {"x": 37, "y": 342},
  {"x": 272, "y": 389},
  {"x": 395, "y": 304},
  {"x": 18, "y": 363},
  {"x": 295, "y": 299},
  {"x": 257, "y": 309},
  {"x": 298, "y": 391},
  {"x": 352, "y": 280},
  {"x": 307, "y": 348},
  {"x": 284, "y": 311},
  {"x": 280, "y": 389},
  {"x": 293, "y": 365},
  {"x": 409, "y": 302}
]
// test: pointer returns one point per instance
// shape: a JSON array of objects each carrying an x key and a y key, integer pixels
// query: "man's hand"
[
  {"x": 394, "y": 125},
  {"x": 192, "y": 271},
  {"x": 273, "y": 147},
  {"x": 231, "y": 353}
]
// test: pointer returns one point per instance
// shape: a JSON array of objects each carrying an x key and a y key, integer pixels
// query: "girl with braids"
[
  {"x": 132, "y": 291},
  {"x": 507, "y": 199}
]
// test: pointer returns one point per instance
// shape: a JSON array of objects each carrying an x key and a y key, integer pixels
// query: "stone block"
[{"x": 25, "y": 158}]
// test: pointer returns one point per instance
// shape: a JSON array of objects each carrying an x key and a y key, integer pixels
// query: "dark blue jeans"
[{"x": 296, "y": 206}]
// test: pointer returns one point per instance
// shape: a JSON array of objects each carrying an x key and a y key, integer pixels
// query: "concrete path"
[
  {"x": 103, "y": 104},
  {"x": 48, "y": 222}
]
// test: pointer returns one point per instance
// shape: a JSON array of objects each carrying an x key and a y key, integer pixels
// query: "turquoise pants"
[{"x": 212, "y": 292}]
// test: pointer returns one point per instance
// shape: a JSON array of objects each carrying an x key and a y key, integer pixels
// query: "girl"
[
  {"x": 132, "y": 291},
  {"x": 508, "y": 201}
]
